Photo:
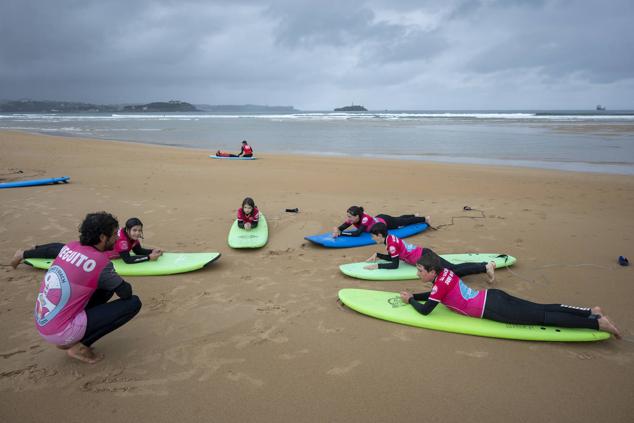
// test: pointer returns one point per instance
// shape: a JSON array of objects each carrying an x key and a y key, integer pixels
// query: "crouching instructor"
[{"x": 72, "y": 309}]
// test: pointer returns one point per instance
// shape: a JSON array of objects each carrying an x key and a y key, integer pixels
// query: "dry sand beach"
[{"x": 259, "y": 336}]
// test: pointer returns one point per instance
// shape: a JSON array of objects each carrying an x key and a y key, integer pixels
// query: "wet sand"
[{"x": 259, "y": 336}]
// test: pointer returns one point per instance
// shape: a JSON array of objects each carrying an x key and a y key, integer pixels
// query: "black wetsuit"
[
  {"x": 51, "y": 250},
  {"x": 390, "y": 221},
  {"x": 141, "y": 255},
  {"x": 104, "y": 317},
  {"x": 505, "y": 308},
  {"x": 47, "y": 251}
]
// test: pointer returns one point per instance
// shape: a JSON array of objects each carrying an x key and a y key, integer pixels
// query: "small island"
[
  {"x": 161, "y": 106},
  {"x": 352, "y": 108}
]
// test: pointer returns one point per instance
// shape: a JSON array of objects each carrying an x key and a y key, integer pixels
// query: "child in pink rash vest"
[
  {"x": 398, "y": 250},
  {"x": 495, "y": 304},
  {"x": 130, "y": 241},
  {"x": 363, "y": 222},
  {"x": 248, "y": 214}
]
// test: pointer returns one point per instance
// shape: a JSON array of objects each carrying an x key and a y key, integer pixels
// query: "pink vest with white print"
[
  {"x": 68, "y": 286},
  {"x": 123, "y": 244},
  {"x": 367, "y": 221},
  {"x": 396, "y": 247},
  {"x": 457, "y": 296}
]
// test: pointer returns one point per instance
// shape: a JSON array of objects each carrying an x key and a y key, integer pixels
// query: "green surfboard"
[
  {"x": 388, "y": 306},
  {"x": 167, "y": 264},
  {"x": 407, "y": 271},
  {"x": 255, "y": 238}
]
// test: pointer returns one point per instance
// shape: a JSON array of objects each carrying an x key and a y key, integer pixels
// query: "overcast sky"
[{"x": 316, "y": 55}]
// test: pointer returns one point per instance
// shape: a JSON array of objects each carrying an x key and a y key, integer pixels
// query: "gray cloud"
[{"x": 315, "y": 54}]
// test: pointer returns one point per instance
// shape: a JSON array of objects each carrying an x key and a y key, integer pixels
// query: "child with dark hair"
[
  {"x": 248, "y": 214},
  {"x": 398, "y": 250},
  {"x": 130, "y": 238},
  {"x": 363, "y": 222},
  {"x": 495, "y": 304}
]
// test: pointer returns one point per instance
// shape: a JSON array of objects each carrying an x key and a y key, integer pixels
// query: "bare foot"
[
  {"x": 596, "y": 310},
  {"x": 63, "y": 347},
  {"x": 490, "y": 268},
  {"x": 82, "y": 353},
  {"x": 606, "y": 325},
  {"x": 17, "y": 259}
]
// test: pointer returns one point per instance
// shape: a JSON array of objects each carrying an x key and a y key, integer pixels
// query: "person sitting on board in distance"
[
  {"x": 398, "y": 250},
  {"x": 246, "y": 150},
  {"x": 364, "y": 222},
  {"x": 129, "y": 240},
  {"x": 72, "y": 309},
  {"x": 495, "y": 304},
  {"x": 248, "y": 214}
]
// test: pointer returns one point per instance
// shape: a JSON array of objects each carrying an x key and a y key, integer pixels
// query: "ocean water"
[{"x": 566, "y": 140}]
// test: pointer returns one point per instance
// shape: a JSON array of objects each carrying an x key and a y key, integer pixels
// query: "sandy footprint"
[
  {"x": 323, "y": 329},
  {"x": 473, "y": 354},
  {"x": 340, "y": 371},
  {"x": 237, "y": 377},
  {"x": 291, "y": 356},
  {"x": 399, "y": 335},
  {"x": 261, "y": 335},
  {"x": 8, "y": 354},
  {"x": 211, "y": 366}
]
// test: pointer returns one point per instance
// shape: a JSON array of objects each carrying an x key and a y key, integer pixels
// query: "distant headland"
[
  {"x": 352, "y": 108},
  {"x": 172, "y": 106},
  {"x": 162, "y": 106}
]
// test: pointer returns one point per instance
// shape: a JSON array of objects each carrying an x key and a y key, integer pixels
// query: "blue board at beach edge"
[
  {"x": 35, "y": 182},
  {"x": 326, "y": 240},
  {"x": 213, "y": 156}
]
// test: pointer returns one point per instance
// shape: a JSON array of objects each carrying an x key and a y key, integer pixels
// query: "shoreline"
[{"x": 556, "y": 166}]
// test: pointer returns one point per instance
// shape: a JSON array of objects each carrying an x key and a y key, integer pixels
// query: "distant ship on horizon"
[
  {"x": 352, "y": 108},
  {"x": 600, "y": 107}
]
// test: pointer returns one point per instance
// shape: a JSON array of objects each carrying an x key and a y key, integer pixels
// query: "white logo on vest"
[{"x": 53, "y": 297}]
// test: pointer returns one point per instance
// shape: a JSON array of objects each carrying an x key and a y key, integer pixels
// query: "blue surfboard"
[
  {"x": 213, "y": 156},
  {"x": 326, "y": 240},
  {"x": 35, "y": 182}
]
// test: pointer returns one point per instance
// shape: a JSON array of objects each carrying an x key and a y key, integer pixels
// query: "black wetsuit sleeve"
[
  {"x": 393, "y": 264},
  {"x": 109, "y": 279},
  {"x": 254, "y": 224},
  {"x": 343, "y": 226},
  {"x": 241, "y": 152},
  {"x": 124, "y": 291},
  {"x": 126, "y": 257},
  {"x": 423, "y": 296},
  {"x": 240, "y": 224},
  {"x": 138, "y": 250},
  {"x": 384, "y": 256},
  {"x": 424, "y": 309},
  {"x": 356, "y": 232}
]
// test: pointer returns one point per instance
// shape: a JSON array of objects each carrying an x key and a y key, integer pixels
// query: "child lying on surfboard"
[
  {"x": 363, "y": 222},
  {"x": 248, "y": 214},
  {"x": 129, "y": 239},
  {"x": 495, "y": 304},
  {"x": 398, "y": 250}
]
